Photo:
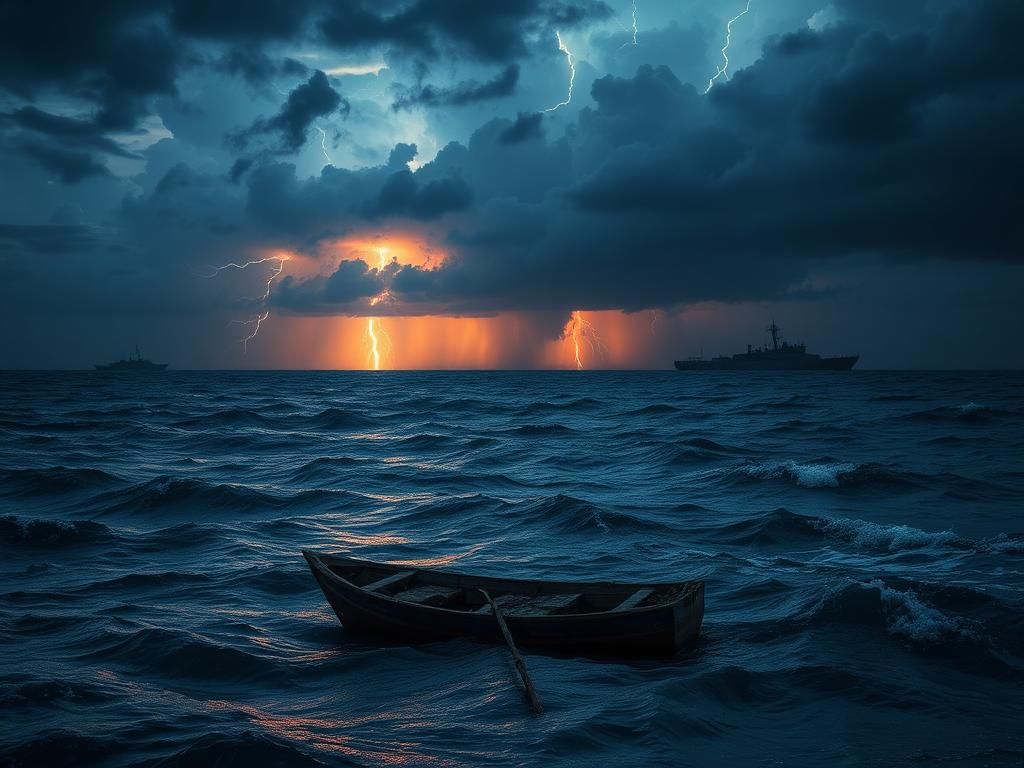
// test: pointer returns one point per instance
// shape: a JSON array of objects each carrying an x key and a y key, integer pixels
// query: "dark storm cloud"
[
  {"x": 47, "y": 238},
  {"x": 486, "y": 31},
  {"x": 403, "y": 195},
  {"x": 339, "y": 200},
  {"x": 248, "y": 20},
  {"x": 848, "y": 142},
  {"x": 84, "y": 134},
  {"x": 526, "y": 128},
  {"x": 886, "y": 135},
  {"x": 314, "y": 98},
  {"x": 64, "y": 146},
  {"x": 258, "y": 67},
  {"x": 69, "y": 166},
  {"x": 352, "y": 283},
  {"x": 115, "y": 54},
  {"x": 461, "y": 94},
  {"x": 112, "y": 59}
]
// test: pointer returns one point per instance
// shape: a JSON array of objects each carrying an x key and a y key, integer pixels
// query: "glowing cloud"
[{"x": 356, "y": 69}]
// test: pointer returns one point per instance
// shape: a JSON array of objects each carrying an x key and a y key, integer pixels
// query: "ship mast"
[{"x": 773, "y": 329}]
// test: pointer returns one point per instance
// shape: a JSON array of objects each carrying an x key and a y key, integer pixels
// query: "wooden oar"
[{"x": 531, "y": 694}]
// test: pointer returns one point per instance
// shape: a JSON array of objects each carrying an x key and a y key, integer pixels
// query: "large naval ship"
[
  {"x": 135, "y": 364},
  {"x": 781, "y": 356}
]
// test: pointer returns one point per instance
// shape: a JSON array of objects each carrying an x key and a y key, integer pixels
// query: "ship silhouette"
[
  {"x": 781, "y": 356},
  {"x": 135, "y": 364}
]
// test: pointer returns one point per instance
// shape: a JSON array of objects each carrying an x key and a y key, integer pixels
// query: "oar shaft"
[{"x": 531, "y": 694}]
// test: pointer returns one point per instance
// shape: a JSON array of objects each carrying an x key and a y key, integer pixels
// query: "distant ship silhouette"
[
  {"x": 781, "y": 357},
  {"x": 135, "y": 364}
]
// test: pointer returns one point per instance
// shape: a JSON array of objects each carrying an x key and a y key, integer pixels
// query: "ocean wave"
[
  {"x": 737, "y": 687},
  {"x": 782, "y": 527},
  {"x": 908, "y": 615},
  {"x": 429, "y": 442},
  {"x": 699, "y": 449},
  {"x": 793, "y": 402},
  {"x": 544, "y": 406},
  {"x": 541, "y": 430},
  {"x": 274, "y": 581},
  {"x": 900, "y": 612},
  {"x": 53, "y": 481},
  {"x": 51, "y": 534},
  {"x": 831, "y": 474},
  {"x": 966, "y": 413},
  {"x": 167, "y": 493},
  {"x": 325, "y": 468},
  {"x": 657, "y": 409},
  {"x": 464, "y": 507},
  {"x": 178, "y": 653},
  {"x": 879, "y": 537},
  {"x": 229, "y": 417},
  {"x": 567, "y": 514},
  {"x": 138, "y": 582},
  {"x": 246, "y": 748},
  {"x": 1005, "y": 543},
  {"x": 335, "y": 419},
  {"x": 60, "y": 747},
  {"x": 183, "y": 535},
  {"x": 51, "y": 693}
]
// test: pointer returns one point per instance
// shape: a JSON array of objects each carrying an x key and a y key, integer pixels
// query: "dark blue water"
[{"x": 861, "y": 536}]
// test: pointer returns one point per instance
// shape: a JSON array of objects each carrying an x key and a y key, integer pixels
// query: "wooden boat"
[{"x": 605, "y": 618}]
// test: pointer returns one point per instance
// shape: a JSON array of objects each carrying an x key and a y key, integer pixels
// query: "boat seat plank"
[
  {"x": 501, "y": 601},
  {"x": 542, "y": 604},
  {"x": 525, "y": 605},
  {"x": 388, "y": 581},
  {"x": 429, "y": 594},
  {"x": 634, "y": 600}
]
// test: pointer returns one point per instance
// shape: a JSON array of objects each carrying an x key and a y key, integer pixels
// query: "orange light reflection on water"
[{"x": 323, "y": 733}]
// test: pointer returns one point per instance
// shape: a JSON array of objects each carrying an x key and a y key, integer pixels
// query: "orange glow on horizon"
[{"x": 509, "y": 340}]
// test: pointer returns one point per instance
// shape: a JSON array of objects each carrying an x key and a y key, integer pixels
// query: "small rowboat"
[{"x": 416, "y": 604}]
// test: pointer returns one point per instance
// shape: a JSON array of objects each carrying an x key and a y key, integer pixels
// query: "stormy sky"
[{"x": 455, "y": 183}]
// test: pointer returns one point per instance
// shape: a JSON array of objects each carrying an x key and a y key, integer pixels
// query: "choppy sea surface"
[{"x": 861, "y": 537}]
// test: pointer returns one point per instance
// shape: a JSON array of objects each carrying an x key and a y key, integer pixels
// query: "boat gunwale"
[{"x": 321, "y": 565}]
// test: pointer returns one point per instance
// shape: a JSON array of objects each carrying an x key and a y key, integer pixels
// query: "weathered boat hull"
[{"x": 658, "y": 630}]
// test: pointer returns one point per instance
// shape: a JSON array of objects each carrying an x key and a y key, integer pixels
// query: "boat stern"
[{"x": 688, "y": 615}]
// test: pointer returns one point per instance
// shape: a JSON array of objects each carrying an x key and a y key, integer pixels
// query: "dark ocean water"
[{"x": 861, "y": 537}]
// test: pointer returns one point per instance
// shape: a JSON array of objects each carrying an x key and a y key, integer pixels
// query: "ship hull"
[
  {"x": 152, "y": 367},
  {"x": 808, "y": 363}
]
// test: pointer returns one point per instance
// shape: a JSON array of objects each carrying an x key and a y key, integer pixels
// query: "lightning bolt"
[
  {"x": 580, "y": 330},
  {"x": 373, "y": 324},
  {"x": 256, "y": 321},
  {"x": 723, "y": 68},
  {"x": 572, "y": 73},
  {"x": 635, "y": 28},
  {"x": 323, "y": 144},
  {"x": 374, "y": 360}
]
